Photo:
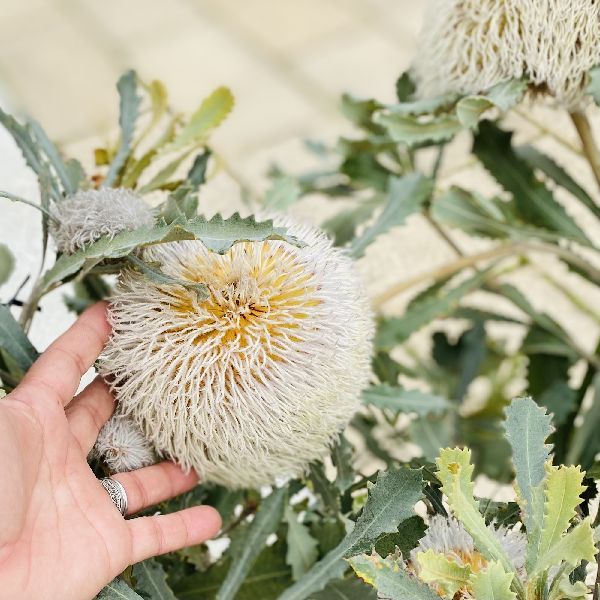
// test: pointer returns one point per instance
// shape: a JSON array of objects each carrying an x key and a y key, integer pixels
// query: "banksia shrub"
[{"x": 255, "y": 380}]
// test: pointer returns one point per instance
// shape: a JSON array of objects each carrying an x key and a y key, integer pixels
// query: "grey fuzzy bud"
[{"x": 86, "y": 216}]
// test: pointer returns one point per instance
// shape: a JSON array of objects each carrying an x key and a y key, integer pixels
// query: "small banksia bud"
[
  {"x": 122, "y": 446},
  {"x": 86, "y": 216},
  {"x": 255, "y": 381}
]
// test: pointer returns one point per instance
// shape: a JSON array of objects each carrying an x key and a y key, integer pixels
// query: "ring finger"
[{"x": 150, "y": 485}]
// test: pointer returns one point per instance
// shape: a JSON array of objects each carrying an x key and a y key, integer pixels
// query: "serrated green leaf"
[
  {"x": 405, "y": 539},
  {"x": 284, "y": 192},
  {"x": 390, "y": 578},
  {"x": 424, "y": 106},
  {"x": 302, "y": 549},
  {"x": 129, "y": 106},
  {"x": 211, "y": 113},
  {"x": 342, "y": 227},
  {"x": 14, "y": 341},
  {"x": 154, "y": 274},
  {"x": 563, "y": 490},
  {"x": 7, "y": 263},
  {"x": 391, "y": 501},
  {"x": 398, "y": 399},
  {"x": 436, "y": 568},
  {"x": 54, "y": 157},
  {"x": 246, "y": 548},
  {"x": 585, "y": 443},
  {"x": 575, "y": 546},
  {"x": 552, "y": 169},
  {"x": 413, "y": 130},
  {"x": 75, "y": 173},
  {"x": 182, "y": 203},
  {"x": 593, "y": 88},
  {"x": 502, "y": 96},
  {"x": 440, "y": 302},
  {"x": 118, "y": 590},
  {"x": 406, "y": 195},
  {"x": 470, "y": 109},
  {"x": 324, "y": 488},
  {"x": 197, "y": 174},
  {"x": 341, "y": 456},
  {"x": 493, "y": 583},
  {"x": 346, "y": 589},
  {"x": 565, "y": 590},
  {"x": 455, "y": 472},
  {"x": 532, "y": 199},
  {"x": 151, "y": 580},
  {"x": 527, "y": 427},
  {"x": 217, "y": 234}
]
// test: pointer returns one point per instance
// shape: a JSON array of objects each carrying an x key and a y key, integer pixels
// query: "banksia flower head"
[
  {"x": 86, "y": 216},
  {"x": 122, "y": 446},
  {"x": 448, "y": 537},
  {"x": 467, "y": 46},
  {"x": 256, "y": 380}
]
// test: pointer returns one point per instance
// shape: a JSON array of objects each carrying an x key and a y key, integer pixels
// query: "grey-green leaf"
[
  {"x": 527, "y": 428},
  {"x": 399, "y": 399},
  {"x": 391, "y": 501},
  {"x": 14, "y": 341},
  {"x": 246, "y": 548},
  {"x": 532, "y": 199},
  {"x": 541, "y": 161},
  {"x": 350, "y": 588},
  {"x": 302, "y": 548},
  {"x": 438, "y": 303},
  {"x": 151, "y": 580},
  {"x": 406, "y": 196},
  {"x": 341, "y": 455},
  {"x": 284, "y": 192},
  {"x": 413, "y": 130},
  {"x": 7, "y": 263},
  {"x": 593, "y": 88},
  {"x": 390, "y": 578},
  {"x": 118, "y": 590},
  {"x": 217, "y": 234},
  {"x": 128, "y": 113}
]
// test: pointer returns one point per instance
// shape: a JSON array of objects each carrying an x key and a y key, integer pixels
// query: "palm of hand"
[{"x": 60, "y": 535}]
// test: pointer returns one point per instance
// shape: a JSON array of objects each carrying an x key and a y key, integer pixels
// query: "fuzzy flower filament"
[{"x": 255, "y": 381}]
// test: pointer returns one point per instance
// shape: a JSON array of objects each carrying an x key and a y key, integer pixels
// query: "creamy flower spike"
[
  {"x": 255, "y": 381},
  {"x": 467, "y": 46},
  {"x": 87, "y": 216},
  {"x": 122, "y": 446}
]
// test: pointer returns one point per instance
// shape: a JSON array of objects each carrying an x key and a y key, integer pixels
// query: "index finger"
[{"x": 60, "y": 368}]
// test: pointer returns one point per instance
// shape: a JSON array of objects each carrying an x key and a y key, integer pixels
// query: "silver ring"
[{"x": 117, "y": 493}]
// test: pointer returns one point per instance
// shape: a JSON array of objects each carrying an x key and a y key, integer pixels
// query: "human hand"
[{"x": 60, "y": 534}]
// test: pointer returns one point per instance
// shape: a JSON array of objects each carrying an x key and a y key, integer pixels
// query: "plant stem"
[
  {"x": 590, "y": 149},
  {"x": 542, "y": 128},
  {"x": 29, "y": 308},
  {"x": 504, "y": 250}
]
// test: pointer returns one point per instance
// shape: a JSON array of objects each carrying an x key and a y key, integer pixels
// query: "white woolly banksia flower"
[
  {"x": 255, "y": 381},
  {"x": 86, "y": 216},
  {"x": 122, "y": 446},
  {"x": 467, "y": 46}
]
